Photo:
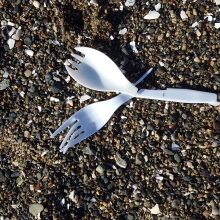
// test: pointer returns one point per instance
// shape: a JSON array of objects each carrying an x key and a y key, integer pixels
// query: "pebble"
[
  {"x": 167, "y": 151},
  {"x": 177, "y": 158},
  {"x": 29, "y": 52},
  {"x": 27, "y": 73},
  {"x": 2, "y": 177},
  {"x": 48, "y": 77},
  {"x": 215, "y": 211},
  {"x": 89, "y": 151},
  {"x": 18, "y": 34},
  {"x": 11, "y": 43},
  {"x": 100, "y": 169},
  {"x": 27, "y": 41},
  {"x": 32, "y": 89},
  {"x": 56, "y": 87},
  {"x": 155, "y": 210},
  {"x": 36, "y": 4},
  {"x": 36, "y": 208},
  {"x": 184, "y": 116},
  {"x": 5, "y": 83}
]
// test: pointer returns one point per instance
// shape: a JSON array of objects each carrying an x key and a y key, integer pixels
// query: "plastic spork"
[
  {"x": 98, "y": 72},
  {"x": 91, "y": 118}
]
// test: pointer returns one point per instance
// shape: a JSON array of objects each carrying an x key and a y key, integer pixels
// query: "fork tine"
[
  {"x": 73, "y": 63},
  {"x": 73, "y": 140},
  {"x": 71, "y": 131},
  {"x": 64, "y": 125},
  {"x": 77, "y": 57}
]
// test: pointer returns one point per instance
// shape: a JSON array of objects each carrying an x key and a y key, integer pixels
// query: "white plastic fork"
[
  {"x": 97, "y": 71},
  {"x": 91, "y": 118}
]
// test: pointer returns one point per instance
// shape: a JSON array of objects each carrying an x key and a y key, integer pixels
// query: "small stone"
[
  {"x": 150, "y": 127},
  {"x": 27, "y": 73},
  {"x": 216, "y": 125},
  {"x": 3, "y": 23},
  {"x": 130, "y": 2},
  {"x": 152, "y": 15},
  {"x": 15, "y": 175},
  {"x": 27, "y": 41},
  {"x": 19, "y": 181},
  {"x": 32, "y": 187},
  {"x": 35, "y": 208},
  {"x": 130, "y": 217},
  {"x": 11, "y": 43},
  {"x": 183, "y": 15},
  {"x": 18, "y": 44},
  {"x": 56, "y": 87},
  {"x": 155, "y": 210},
  {"x": 89, "y": 151},
  {"x": 198, "y": 33},
  {"x": 186, "y": 178},
  {"x": 70, "y": 102},
  {"x": 215, "y": 211},
  {"x": 177, "y": 158},
  {"x": 197, "y": 60},
  {"x": 206, "y": 213},
  {"x": 167, "y": 151},
  {"x": 36, "y": 4},
  {"x": 212, "y": 63},
  {"x": 4, "y": 84},
  {"x": 123, "y": 31},
  {"x": 18, "y": 34},
  {"x": 100, "y": 169},
  {"x": 48, "y": 77},
  {"x": 184, "y": 116},
  {"x": 27, "y": 134},
  {"x": 17, "y": 8},
  {"x": 161, "y": 69},
  {"x": 2, "y": 177},
  {"x": 175, "y": 203},
  {"x": 32, "y": 89},
  {"x": 29, "y": 52}
]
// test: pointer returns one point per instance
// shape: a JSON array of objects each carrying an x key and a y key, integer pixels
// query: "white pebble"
[
  {"x": 152, "y": 15},
  {"x": 11, "y": 43},
  {"x": 183, "y": 15},
  {"x": 158, "y": 6},
  {"x": 29, "y": 52},
  {"x": 36, "y": 4},
  {"x": 123, "y": 31},
  {"x": 129, "y": 2},
  {"x": 155, "y": 210}
]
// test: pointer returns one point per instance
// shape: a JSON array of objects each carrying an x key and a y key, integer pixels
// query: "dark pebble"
[
  {"x": 2, "y": 177},
  {"x": 161, "y": 69},
  {"x": 27, "y": 41},
  {"x": 56, "y": 87},
  {"x": 186, "y": 178},
  {"x": 15, "y": 175},
  {"x": 32, "y": 89},
  {"x": 177, "y": 158},
  {"x": 48, "y": 77}
]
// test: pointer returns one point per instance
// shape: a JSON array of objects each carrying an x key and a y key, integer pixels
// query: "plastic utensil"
[
  {"x": 97, "y": 71},
  {"x": 179, "y": 95},
  {"x": 91, "y": 118}
]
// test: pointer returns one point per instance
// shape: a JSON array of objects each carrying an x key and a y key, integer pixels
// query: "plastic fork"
[
  {"x": 91, "y": 118},
  {"x": 98, "y": 72}
]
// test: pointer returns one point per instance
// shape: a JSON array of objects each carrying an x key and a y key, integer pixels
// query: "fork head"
[{"x": 77, "y": 136}]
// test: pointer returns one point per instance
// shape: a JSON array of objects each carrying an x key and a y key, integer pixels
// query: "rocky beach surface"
[{"x": 153, "y": 159}]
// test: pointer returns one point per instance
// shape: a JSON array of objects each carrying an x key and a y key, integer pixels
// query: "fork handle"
[{"x": 179, "y": 95}]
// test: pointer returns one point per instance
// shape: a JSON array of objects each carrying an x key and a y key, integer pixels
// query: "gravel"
[{"x": 169, "y": 150}]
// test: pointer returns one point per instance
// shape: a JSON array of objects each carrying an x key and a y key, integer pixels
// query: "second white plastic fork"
[
  {"x": 98, "y": 72},
  {"x": 91, "y": 118}
]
